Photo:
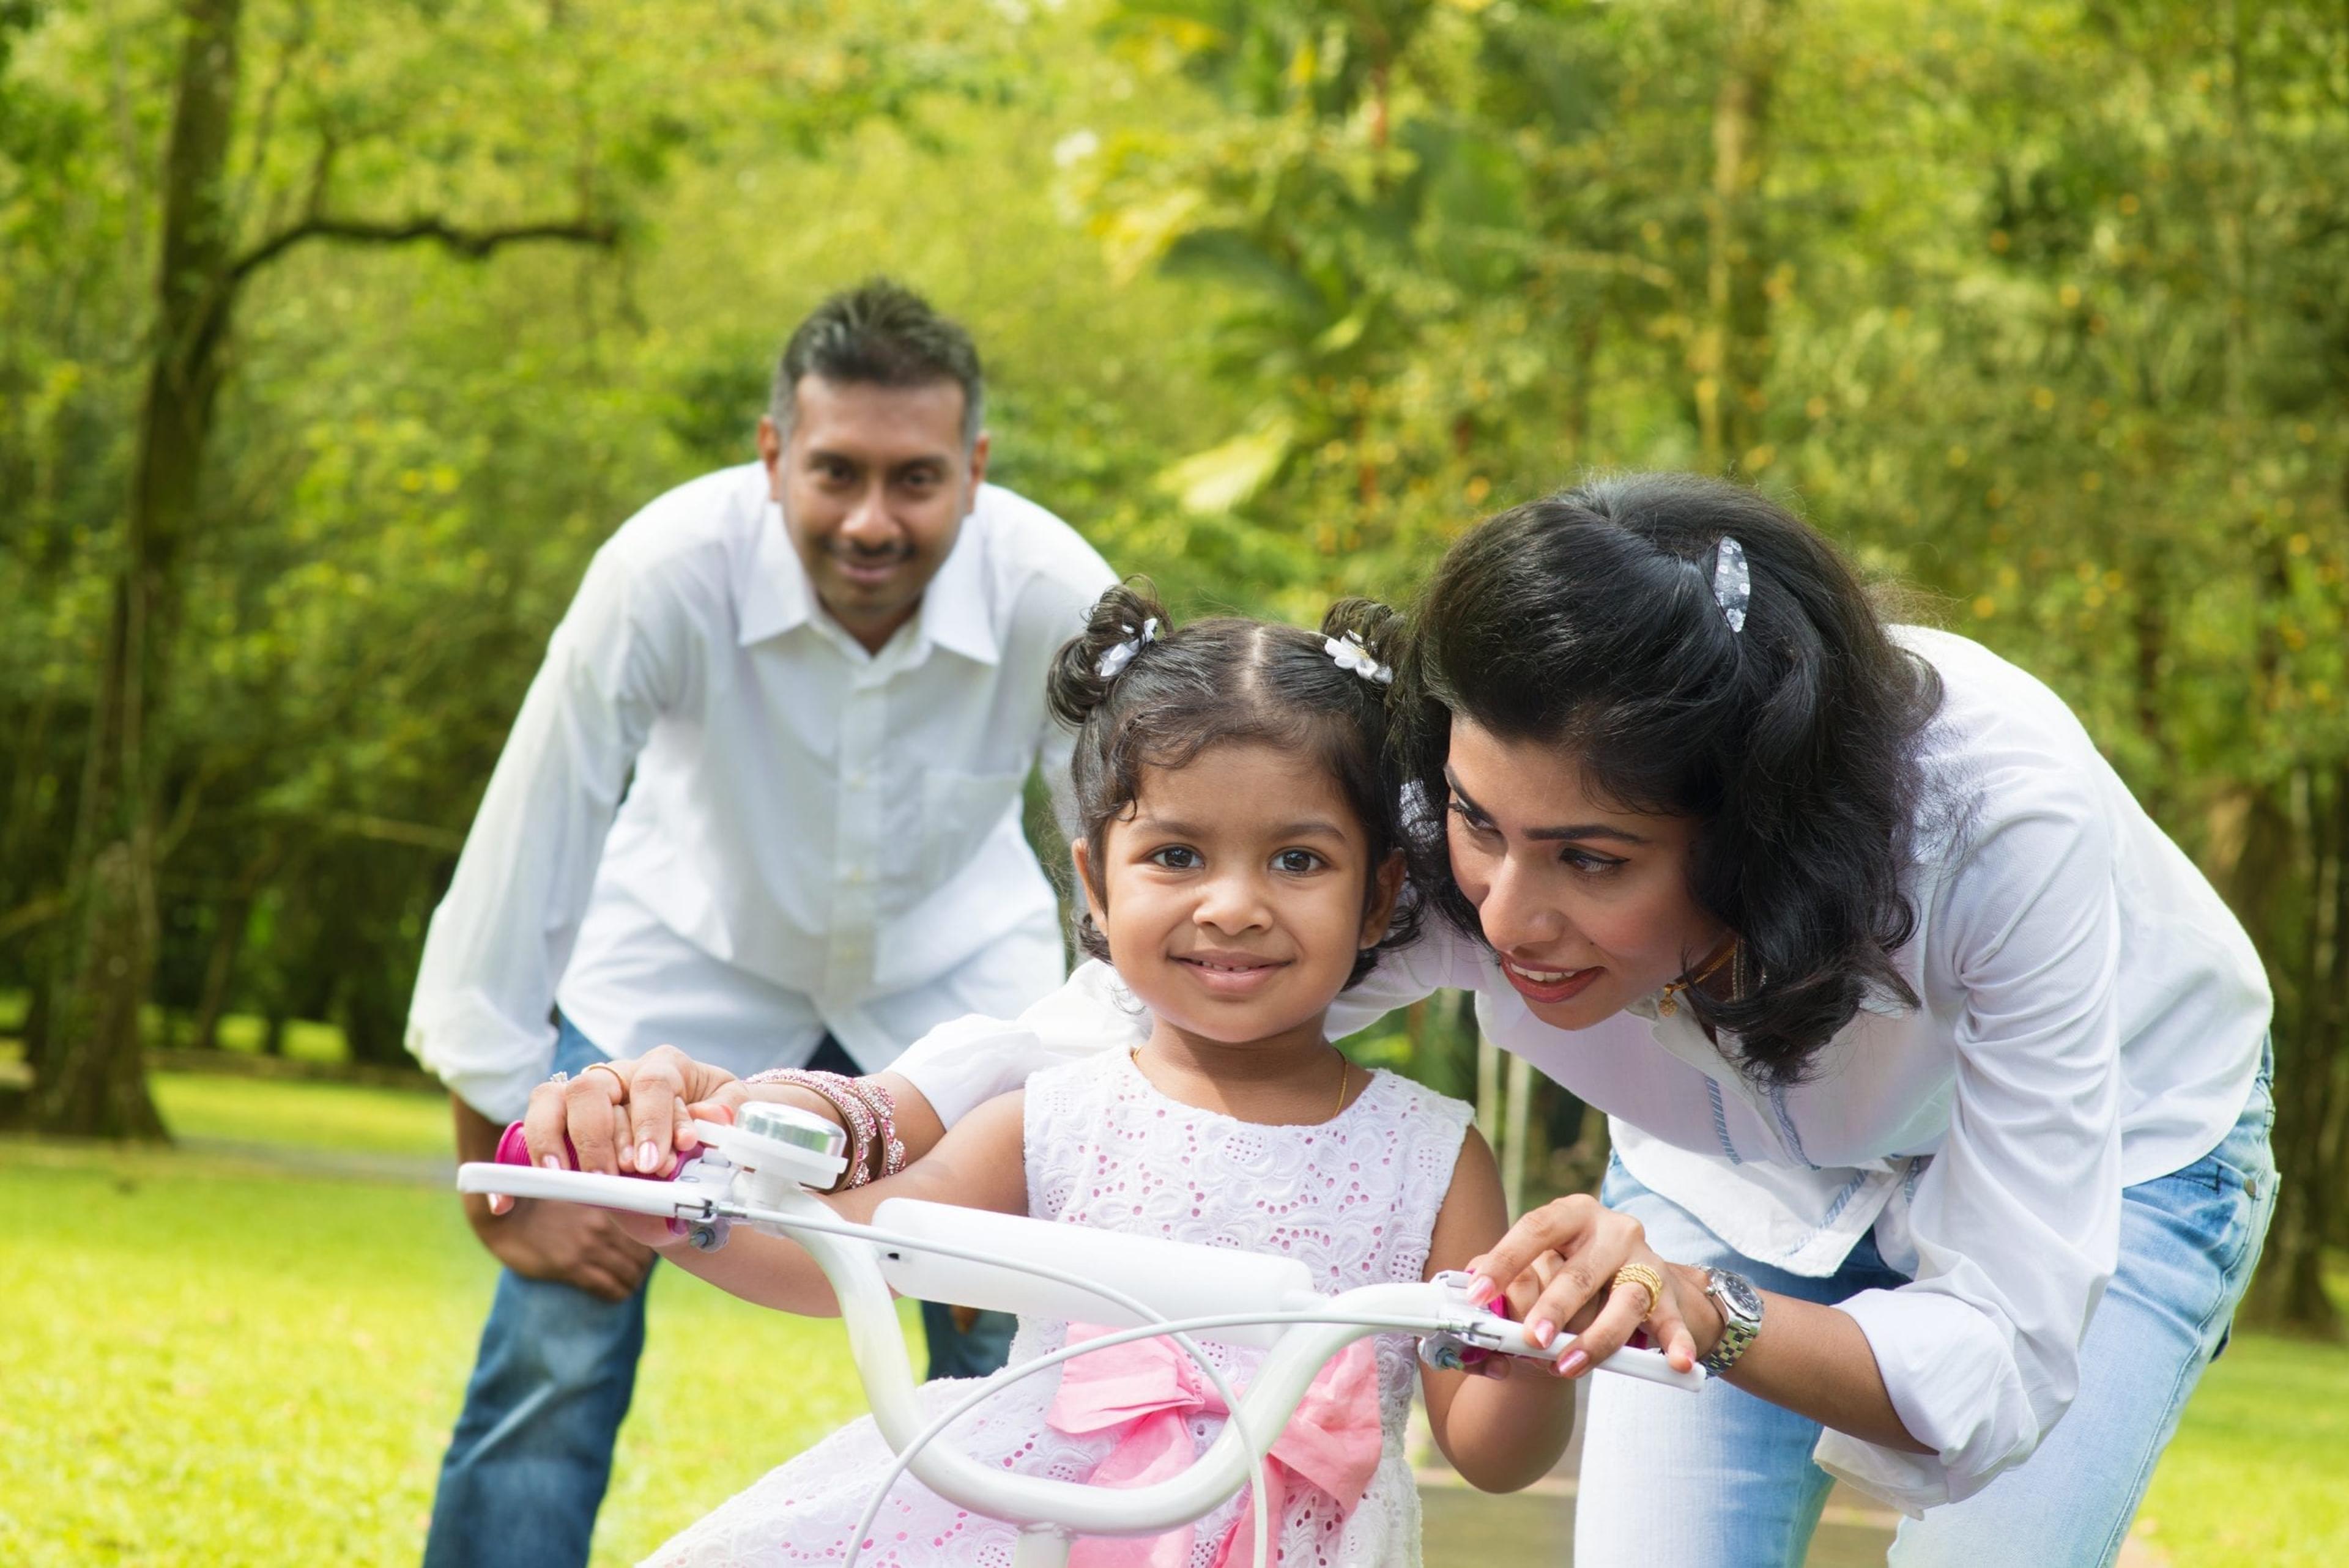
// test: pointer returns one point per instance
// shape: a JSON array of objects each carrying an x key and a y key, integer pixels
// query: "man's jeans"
[
  {"x": 527, "y": 1468},
  {"x": 1725, "y": 1479}
]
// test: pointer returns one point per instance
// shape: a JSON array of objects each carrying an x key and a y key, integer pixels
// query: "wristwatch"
[{"x": 1740, "y": 1317}]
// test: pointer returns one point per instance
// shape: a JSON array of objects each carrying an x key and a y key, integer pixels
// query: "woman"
[{"x": 1937, "y": 1073}]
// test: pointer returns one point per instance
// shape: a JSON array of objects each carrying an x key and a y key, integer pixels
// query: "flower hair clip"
[
  {"x": 1113, "y": 663},
  {"x": 1732, "y": 582},
  {"x": 1350, "y": 655}
]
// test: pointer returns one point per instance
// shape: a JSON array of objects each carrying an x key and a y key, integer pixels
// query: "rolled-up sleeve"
[
  {"x": 2016, "y": 1221},
  {"x": 501, "y": 935},
  {"x": 1439, "y": 958}
]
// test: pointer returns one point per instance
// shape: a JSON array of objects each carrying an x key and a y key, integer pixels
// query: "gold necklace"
[
  {"x": 1133, "y": 1055},
  {"x": 1668, "y": 1001}
]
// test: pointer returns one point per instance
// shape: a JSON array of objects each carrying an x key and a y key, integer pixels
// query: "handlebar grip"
[{"x": 513, "y": 1148}]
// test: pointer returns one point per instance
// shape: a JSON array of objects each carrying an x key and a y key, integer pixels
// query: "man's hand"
[{"x": 580, "y": 1246}]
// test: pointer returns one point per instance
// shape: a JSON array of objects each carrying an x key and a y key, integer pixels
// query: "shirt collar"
[
  {"x": 954, "y": 612},
  {"x": 775, "y": 597}
]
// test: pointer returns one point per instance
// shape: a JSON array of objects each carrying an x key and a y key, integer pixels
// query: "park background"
[{"x": 336, "y": 335}]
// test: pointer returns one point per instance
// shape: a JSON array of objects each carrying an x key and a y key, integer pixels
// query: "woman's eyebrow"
[{"x": 1569, "y": 830}]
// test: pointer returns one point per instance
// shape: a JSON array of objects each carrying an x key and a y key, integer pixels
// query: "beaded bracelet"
[
  {"x": 883, "y": 1106},
  {"x": 855, "y": 1113}
]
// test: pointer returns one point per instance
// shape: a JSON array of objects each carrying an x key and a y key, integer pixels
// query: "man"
[{"x": 762, "y": 799}]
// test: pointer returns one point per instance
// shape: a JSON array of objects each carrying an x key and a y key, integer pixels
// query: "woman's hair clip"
[
  {"x": 1113, "y": 662},
  {"x": 1350, "y": 655},
  {"x": 1733, "y": 581}
]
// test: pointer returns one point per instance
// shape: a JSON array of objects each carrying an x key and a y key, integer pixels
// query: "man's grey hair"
[{"x": 884, "y": 334}]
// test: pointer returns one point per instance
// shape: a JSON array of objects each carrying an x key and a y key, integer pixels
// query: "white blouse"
[{"x": 2090, "y": 1017}]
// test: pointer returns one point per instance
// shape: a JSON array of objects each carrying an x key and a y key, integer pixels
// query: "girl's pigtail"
[
  {"x": 1377, "y": 627},
  {"x": 1124, "y": 621}
]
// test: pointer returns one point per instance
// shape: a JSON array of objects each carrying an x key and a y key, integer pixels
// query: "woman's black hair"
[
  {"x": 1223, "y": 681},
  {"x": 1587, "y": 620}
]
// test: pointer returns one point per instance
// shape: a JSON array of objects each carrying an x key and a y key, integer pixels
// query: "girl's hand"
[
  {"x": 631, "y": 1116},
  {"x": 1567, "y": 1253}
]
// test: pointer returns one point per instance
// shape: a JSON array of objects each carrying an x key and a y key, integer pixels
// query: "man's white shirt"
[{"x": 814, "y": 838}]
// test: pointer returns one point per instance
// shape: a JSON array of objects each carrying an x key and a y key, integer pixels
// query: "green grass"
[
  {"x": 2258, "y": 1476},
  {"x": 226, "y": 1109},
  {"x": 208, "y": 1361}
]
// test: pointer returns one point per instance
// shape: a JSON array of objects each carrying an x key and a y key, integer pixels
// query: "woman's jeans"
[
  {"x": 1725, "y": 1479},
  {"x": 527, "y": 1468}
]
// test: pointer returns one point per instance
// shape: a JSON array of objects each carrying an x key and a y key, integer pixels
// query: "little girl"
[{"x": 1240, "y": 860}]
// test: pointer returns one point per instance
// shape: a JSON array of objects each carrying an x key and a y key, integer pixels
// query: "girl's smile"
[{"x": 1230, "y": 974}]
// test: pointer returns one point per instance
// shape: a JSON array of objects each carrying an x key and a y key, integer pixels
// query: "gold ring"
[
  {"x": 1647, "y": 1279},
  {"x": 621, "y": 1078}
]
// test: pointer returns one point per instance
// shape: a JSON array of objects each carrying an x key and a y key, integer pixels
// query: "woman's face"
[{"x": 1587, "y": 904}]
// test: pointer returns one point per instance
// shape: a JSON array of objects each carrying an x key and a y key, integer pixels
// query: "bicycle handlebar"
[{"x": 1024, "y": 1265}]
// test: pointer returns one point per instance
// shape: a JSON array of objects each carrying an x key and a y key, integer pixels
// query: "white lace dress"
[{"x": 1354, "y": 1199}]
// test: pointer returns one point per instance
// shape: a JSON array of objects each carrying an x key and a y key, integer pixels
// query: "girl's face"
[
  {"x": 1232, "y": 893},
  {"x": 1587, "y": 904}
]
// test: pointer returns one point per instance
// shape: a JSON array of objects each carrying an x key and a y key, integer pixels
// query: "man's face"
[{"x": 874, "y": 485}]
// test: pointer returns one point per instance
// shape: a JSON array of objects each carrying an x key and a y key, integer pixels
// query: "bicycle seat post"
[{"x": 1042, "y": 1546}]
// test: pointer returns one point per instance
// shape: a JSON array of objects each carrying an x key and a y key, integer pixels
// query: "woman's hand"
[{"x": 1568, "y": 1254}]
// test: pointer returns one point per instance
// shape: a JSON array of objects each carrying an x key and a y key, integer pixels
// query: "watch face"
[{"x": 1738, "y": 1293}]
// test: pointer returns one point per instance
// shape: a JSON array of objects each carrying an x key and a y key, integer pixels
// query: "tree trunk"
[
  {"x": 219, "y": 973},
  {"x": 2288, "y": 887},
  {"x": 94, "y": 1080},
  {"x": 1731, "y": 350}
]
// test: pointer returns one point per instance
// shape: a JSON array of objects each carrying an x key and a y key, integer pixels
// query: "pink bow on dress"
[{"x": 1149, "y": 1390}]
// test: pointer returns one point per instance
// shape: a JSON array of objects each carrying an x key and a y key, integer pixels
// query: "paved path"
[{"x": 1535, "y": 1528}]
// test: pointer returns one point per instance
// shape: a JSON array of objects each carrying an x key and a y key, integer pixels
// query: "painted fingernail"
[
  {"x": 1572, "y": 1362},
  {"x": 648, "y": 1156},
  {"x": 1540, "y": 1330},
  {"x": 550, "y": 1161},
  {"x": 1481, "y": 1291}
]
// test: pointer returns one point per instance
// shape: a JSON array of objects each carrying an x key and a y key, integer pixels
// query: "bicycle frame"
[{"x": 748, "y": 1175}]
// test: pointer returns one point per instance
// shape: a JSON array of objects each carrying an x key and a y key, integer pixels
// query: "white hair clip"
[
  {"x": 1113, "y": 663},
  {"x": 1732, "y": 582},
  {"x": 1351, "y": 656}
]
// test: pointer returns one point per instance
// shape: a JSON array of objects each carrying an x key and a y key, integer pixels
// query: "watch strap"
[{"x": 1740, "y": 1318}]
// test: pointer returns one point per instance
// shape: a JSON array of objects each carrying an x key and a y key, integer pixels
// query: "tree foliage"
[{"x": 2037, "y": 304}]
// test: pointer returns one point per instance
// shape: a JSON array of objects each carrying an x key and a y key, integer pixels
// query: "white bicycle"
[{"x": 765, "y": 1170}]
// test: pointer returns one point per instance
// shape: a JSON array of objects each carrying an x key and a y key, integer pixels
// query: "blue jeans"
[
  {"x": 527, "y": 1468},
  {"x": 1726, "y": 1480}
]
